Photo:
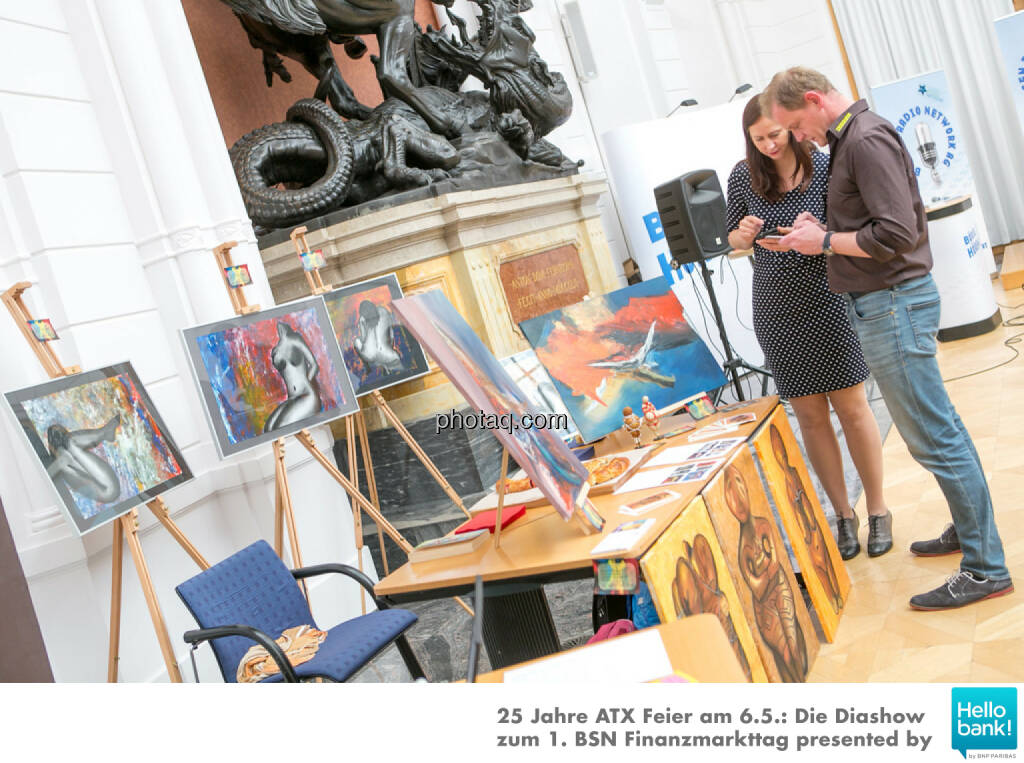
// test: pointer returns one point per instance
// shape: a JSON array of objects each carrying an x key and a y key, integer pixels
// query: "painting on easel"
[
  {"x": 487, "y": 387},
  {"x": 378, "y": 350},
  {"x": 610, "y": 351},
  {"x": 269, "y": 374},
  {"x": 102, "y": 442}
]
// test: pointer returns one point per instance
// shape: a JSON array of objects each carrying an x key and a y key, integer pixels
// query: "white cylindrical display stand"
[{"x": 959, "y": 242}]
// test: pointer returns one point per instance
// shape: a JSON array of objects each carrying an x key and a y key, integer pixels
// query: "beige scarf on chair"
[{"x": 300, "y": 644}]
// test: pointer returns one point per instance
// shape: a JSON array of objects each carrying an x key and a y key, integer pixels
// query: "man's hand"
[
  {"x": 807, "y": 217},
  {"x": 806, "y": 238}
]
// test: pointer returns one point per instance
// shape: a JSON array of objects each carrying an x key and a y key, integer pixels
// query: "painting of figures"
[
  {"x": 608, "y": 352},
  {"x": 101, "y": 441},
  {"x": 269, "y": 374},
  {"x": 486, "y": 386},
  {"x": 760, "y": 568},
  {"x": 378, "y": 350},
  {"x": 685, "y": 570},
  {"x": 813, "y": 545}
]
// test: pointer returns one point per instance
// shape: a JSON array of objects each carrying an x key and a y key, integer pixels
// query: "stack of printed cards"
[
  {"x": 722, "y": 426},
  {"x": 682, "y": 463}
]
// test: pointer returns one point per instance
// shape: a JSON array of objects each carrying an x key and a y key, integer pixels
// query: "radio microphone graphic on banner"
[{"x": 926, "y": 147}]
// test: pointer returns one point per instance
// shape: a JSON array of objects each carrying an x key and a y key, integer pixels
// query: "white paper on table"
[
  {"x": 623, "y": 537},
  {"x": 688, "y": 472},
  {"x": 633, "y": 658},
  {"x": 694, "y": 451}
]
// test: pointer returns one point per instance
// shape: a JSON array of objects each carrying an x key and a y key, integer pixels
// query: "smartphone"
[{"x": 770, "y": 239}]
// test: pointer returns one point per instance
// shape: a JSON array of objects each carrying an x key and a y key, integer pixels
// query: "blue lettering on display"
[
  {"x": 943, "y": 122},
  {"x": 652, "y": 221},
  {"x": 667, "y": 271},
  {"x": 972, "y": 243}
]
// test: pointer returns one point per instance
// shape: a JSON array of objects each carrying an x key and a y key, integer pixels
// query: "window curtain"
[{"x": 888, "y": 40}]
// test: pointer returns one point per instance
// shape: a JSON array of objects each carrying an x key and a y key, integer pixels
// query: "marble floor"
[{"x": 880, "y": 638}]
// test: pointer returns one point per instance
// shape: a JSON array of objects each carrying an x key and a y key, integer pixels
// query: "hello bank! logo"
[{"x": 984, "y": 718}]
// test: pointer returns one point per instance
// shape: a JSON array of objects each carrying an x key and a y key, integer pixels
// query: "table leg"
[{"x": 518, "y": 626}]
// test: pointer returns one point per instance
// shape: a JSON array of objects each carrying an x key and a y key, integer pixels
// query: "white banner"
[{"x": 1010, "y": 32}]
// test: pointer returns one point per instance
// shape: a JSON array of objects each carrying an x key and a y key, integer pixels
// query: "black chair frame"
[{"x": 198, "y": 636}]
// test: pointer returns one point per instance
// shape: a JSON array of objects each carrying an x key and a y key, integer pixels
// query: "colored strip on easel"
[
  {"x": 43, "y": 330},
  {"x": 311, "y": 260},
  {"x": 238, "y": 276}
]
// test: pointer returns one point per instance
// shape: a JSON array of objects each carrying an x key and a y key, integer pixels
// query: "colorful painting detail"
[
  {"x": 238, "y": 276},
  {"x": 313, "y": 260},
  {"x": 686, "y": 572},
  {"x": 102, "y": 443},
  {"x": 813, "y": 545},
  {"x": 486, "y": 386},
  {"x": 529, "y": 375},
  {"x": 607, "y": 352},
  {"x": 269, "y": 374},
  {"x": 378, "y": 350},
  {"x": 757, "y": 560},
  {"x": 43, "y": 330}
]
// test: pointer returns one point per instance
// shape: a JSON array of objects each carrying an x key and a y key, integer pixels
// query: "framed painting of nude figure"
[
  {"x": 101, "y": 441},
  {"x": 760, "y": 569},
  {"x": 828, "y": 583},
  {"x": 686, "y": 572},
  {"x": 269, "y": 374}
]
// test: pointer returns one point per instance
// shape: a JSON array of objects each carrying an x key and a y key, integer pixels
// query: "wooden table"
[
  {"x": 543, "y": 548},
  {"x": 695, "y": 645}
]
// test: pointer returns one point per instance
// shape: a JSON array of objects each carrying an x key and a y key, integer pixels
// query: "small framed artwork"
[
  {"x": 43, "y": 330},
  {"x": 238, "y": 276},
  {"x": 269, "y": 374},
  {"x": 311, "y": 260},
  {"x": 102, "y": 443},
  {"x": 378, "y": 350}
]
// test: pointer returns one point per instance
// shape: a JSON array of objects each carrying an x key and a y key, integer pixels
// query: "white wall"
[{"x": 115, "y": 185}]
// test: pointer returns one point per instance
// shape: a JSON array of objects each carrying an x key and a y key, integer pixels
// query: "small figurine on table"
[
  {"x": 632, "y": 424},
  {"x": 650, "y": 414}
]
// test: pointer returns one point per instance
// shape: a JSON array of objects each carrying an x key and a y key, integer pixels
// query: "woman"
[
  {"x": 298, "y": 368},
  {"x": 74, "y": 462},
  {"x": 802, "y": 327}
]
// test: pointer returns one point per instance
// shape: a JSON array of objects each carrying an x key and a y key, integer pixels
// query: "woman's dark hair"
[{"x": 763, "y": 177}]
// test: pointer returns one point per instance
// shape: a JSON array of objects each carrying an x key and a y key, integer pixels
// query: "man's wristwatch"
[{"x": 826, "y": 244}]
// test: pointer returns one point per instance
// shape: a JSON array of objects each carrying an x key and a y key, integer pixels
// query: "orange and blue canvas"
[
  {"x": 102, "y": 443},
  {"x": 608, "y": 352},
  {"x": 313, "y": 260},
  {"x": 238, "y": 276},
  {"x": 487, "y": 387},
  {"x": 43, "y": 330},
  {"x": 378, "y": 350},
  {"x": 269, "y": 374}
]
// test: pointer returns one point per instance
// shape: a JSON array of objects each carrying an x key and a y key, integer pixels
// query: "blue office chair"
[{"x": 252, "y": 597}]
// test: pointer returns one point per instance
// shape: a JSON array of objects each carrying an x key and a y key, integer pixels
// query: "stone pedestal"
[{"x": 456, "y": 242}]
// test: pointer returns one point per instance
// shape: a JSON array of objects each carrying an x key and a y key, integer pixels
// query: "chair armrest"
[
  {"x": 195, "y": 637},
  {"x": 342, "y": 569}
]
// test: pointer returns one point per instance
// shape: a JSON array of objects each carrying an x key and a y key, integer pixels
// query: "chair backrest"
[
  {"x": 476, "y": 637},
  {"x": 252, "y": 587}
]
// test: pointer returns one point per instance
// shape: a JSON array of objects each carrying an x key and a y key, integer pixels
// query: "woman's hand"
[
  {"x": 746, "y": 232},
  {"x": 807, "y": 217}
]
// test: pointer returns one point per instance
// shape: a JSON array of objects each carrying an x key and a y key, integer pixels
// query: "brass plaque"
[{"x": 542, "y": 282}]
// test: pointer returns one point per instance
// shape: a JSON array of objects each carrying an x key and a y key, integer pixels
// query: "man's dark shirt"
[{"x": 872, "y": 190}]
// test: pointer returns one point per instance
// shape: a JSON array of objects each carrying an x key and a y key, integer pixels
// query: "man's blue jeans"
[{"x": 897, "y": 329}]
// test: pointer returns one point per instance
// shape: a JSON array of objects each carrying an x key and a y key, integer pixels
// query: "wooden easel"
[
  {"x": 316, "y": 283},
  {"x": 284, "y": 512},
  {"x": 126, "y": 527}
]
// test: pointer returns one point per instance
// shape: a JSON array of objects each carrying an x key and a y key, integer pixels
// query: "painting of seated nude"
[
  {"x": 828, "y": 583},
  {"x": 685, "y": 570},
  {"x": 101, "y": 441},
  {"x": 378, "y": 350},
  {"x": 269, "y": 374},
  {"x": 757, "y": 560}
]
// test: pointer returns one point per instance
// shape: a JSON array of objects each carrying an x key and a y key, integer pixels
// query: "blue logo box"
[{"x": 984, "y": 718}]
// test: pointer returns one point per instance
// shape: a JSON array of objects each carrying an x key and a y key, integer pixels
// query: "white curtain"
[{"x": 892, "y": 39}]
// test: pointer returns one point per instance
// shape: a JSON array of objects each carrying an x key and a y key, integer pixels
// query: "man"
[{"x": 876, "y": 238}]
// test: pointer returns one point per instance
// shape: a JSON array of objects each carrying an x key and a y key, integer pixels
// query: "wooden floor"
[{"x": 880, "y": 638}]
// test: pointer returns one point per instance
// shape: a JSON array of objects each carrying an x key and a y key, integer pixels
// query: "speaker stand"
[{"x": 732, "y": 364}]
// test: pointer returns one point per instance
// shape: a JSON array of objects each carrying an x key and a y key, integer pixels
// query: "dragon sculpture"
[{"x": 426, "y": 130}]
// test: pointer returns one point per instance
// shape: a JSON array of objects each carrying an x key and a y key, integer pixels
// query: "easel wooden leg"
[
  {"x": 371, "y": 480},
  {"x": 284, "y": 499},
  {"x": 116, "y": 568},
  {"x": 357, "y": 515},
  {"x": 159, "y": 509},
  {"x": 414, "y": 446},
  {"x": 130, "y": 525},
  {"x": 501, "y": 497}
]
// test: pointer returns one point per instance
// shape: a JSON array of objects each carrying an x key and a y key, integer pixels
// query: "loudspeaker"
[{"x": 693, "y": 216}]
